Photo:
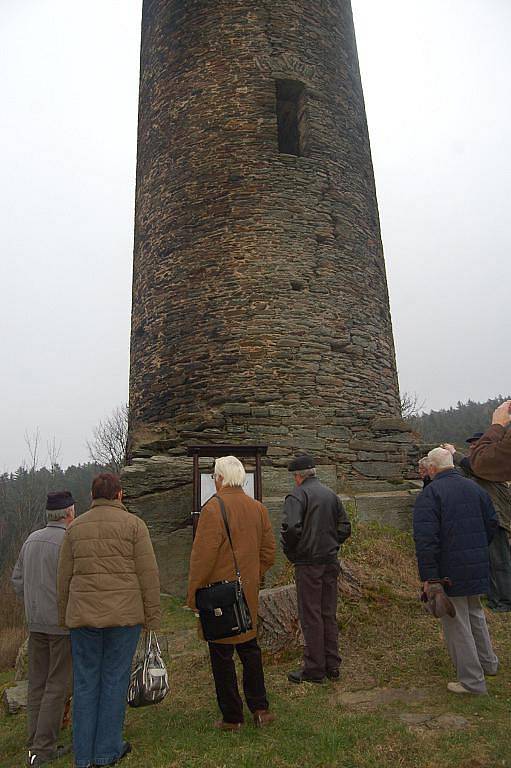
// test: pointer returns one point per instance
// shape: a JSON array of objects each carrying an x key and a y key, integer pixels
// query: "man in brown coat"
[
  {"x": 490, "y": 456},
  {"x": 108, "y": 588},
  {"x": 211, "y": 561}
]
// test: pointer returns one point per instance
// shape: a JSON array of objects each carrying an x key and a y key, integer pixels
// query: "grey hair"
[
  {"x": 231, "y": 470},
  {"x": 52, "y": 515},
  {"x": 440, "y": 458},
  {"x": 424, "y": 462},
  {"x": 305, "y": 473}
]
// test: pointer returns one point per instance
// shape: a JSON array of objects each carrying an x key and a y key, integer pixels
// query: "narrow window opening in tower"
[{"x": 291, "y": 117}]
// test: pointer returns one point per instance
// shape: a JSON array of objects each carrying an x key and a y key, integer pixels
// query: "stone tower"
[{"x": 260, "y": 306}]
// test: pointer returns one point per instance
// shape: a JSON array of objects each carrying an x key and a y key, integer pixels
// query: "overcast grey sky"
[{"x": 436, "y": 80}]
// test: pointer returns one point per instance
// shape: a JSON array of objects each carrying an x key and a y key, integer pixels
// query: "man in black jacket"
[{"x": 314, "y": 525}]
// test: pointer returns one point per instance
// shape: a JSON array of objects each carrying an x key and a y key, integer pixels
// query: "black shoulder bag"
[{"x": 222, "y": 606}]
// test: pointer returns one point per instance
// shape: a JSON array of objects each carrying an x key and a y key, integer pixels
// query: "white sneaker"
[{"x": 457, "y": 688}]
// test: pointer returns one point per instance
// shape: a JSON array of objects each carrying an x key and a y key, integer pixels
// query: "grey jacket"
[
  {"x": 314, "y": 524},
  {"x": 35, "y": 578}
]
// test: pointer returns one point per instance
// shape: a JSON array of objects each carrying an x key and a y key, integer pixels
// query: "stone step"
[
  {"x": 386, "y": 507},
  {"x": 393, "y": 508}
]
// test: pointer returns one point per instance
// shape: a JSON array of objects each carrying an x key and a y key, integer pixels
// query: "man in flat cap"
[
  {"x": 314, "y": 525},
  {"x": 499, "y": 590},
  {"x": 49, "y": 650}
]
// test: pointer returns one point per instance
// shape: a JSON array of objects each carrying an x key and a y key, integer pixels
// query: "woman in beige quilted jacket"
[{"x": 108, "y": 589}]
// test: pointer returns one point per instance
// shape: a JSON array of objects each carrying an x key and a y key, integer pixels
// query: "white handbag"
[{"x": 149, "y": 682}]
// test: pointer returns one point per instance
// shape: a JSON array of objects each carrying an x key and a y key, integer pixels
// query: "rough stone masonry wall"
[{"x": 260, "y": 307}]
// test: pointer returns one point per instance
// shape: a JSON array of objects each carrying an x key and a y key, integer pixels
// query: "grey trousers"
[
  {"x": 469, "y": 645},
  {"x": 49, "y": 687}
]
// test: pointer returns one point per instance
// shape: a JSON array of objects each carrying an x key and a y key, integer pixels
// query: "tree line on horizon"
[
  {"x": 23, "y": 492},
  {"x": 455, "y": 424},
  {"x": 23, "y": 500}
]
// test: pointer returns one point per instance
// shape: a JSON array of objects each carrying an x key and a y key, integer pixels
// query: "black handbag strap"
[{"x": 224, "y": 515}]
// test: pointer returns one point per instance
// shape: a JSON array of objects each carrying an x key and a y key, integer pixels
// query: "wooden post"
[
  {"x": 214, "y": 451},
  {"x": 196, "y": 494},
  {"x": 258, "y": 485}
]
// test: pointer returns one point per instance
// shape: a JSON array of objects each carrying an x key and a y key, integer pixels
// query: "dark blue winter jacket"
[{"x": 453, "y": 523}]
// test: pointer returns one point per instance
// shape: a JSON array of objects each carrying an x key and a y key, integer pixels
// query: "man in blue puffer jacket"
[{"x": 453, "y": 523}]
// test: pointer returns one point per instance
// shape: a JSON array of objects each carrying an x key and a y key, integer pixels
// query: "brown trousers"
[
  {"x": 49, "y": 687},
  {"x": 316, "y": 587}
]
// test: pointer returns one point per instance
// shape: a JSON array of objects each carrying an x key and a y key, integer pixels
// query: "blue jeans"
[{"x": 101, "y": 668}]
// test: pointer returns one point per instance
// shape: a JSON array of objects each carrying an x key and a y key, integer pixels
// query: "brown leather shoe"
[
  {"x": 222, "y": 726},
  {"x": 263, "y": 717}
]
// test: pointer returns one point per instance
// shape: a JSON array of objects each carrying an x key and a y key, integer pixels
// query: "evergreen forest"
[{"x": 454, "y": 425}]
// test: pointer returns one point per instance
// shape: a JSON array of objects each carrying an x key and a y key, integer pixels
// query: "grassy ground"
[{"x": 387, "y": 641}]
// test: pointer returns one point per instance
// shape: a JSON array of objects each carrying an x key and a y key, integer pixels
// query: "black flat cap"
[
  {"x": 59, "y": 500},
  {"x": 301, "y": 462},
  {"x": 475, "y": 436}
]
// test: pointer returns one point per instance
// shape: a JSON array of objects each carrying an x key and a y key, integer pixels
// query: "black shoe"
[
  {"x": 333, "y": 674},
  {"x": 126, "y": 749},
  {"x": 298, "y": 676}
]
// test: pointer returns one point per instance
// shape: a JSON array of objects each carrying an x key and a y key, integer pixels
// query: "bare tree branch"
[
  {"x": 54, "y": 452},
  {"x": 32, "y": 443},
  {"x": 411, "y": 406},
  {"x": 109, "y": 438}
]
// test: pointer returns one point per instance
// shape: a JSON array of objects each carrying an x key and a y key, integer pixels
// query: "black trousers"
[
  {"x": 499, "y": 592},
  {"x": 226, "y": 683},
  {"x": 316, "y": 588}
]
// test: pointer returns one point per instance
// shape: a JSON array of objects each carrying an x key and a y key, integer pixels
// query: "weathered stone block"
[
  {"x": 379, "y": 469},
  {"x": 243, "y": 409},
  {"x": 259, "y": 411},
  {"x": 166, "y": 511},
  {"x": 173, "y": 556},
  {"x": 372, "y": 445},
  {"x": 335, "y": 433},
  {"x": 404, "y": 437},
  {"x": 372, "y": 456},
  {"x": 21, "y": 664},
  {"x": 387, "y": 508},
  {"x": 389, "y": 424},
  {"x": 277, "y": 482},
  {"x": 14, "y": 699},
  {"x": 159, "y": 473}
]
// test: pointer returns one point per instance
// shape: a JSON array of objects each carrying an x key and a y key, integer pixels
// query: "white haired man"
[
  {"x": 49, "y": 650},
  {"x": 423, "y": 472},
  {"x": 453, "y": 523},
  {"x": 314, "y": 525},
  {"x": 499, "y": 592},
  {"x": 211, "y": 561}
]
